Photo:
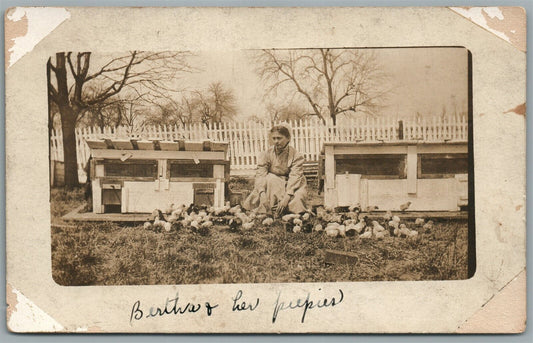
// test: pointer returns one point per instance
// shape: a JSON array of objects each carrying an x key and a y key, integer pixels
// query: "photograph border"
[{"x": 7, "y": 152}]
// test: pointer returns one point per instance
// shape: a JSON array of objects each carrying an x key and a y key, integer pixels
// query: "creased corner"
[
  {"x": 24, "y": 316},
  {"x": 506, "y": 22},
  {"x": 25, "y": 27},
  {"x": 520, "y": 109},
  {"x": 11, "y": 299},
  {"x": 16, "y": 26},
  {"x": 505, "y": 312}
]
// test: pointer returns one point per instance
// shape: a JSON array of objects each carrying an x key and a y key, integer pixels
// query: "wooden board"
[
  {"x": 159, "y": 154},
  {"x": 96, "y": 144},
  {"x": 122, "y": 144},
  {"x": 462, "y": 215},
  {"x": 169, "y": 146},
  {"x": 194, "y": 146},
  {"x": 340, "y": 257},
  {"x": 145, "y": 145},
  {"x": 76, "y": 216}
]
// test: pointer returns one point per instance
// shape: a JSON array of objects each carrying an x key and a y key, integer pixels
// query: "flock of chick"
[{"x": 338, "y": 222}]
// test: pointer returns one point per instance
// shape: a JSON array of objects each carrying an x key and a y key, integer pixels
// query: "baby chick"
[
  {"x": 342, "y": 230},
  {"x": 366, "y": 235},
  {"x": 186, "y": 222},
  {"x": 388, "y": 216},
  {"x": 289, "y": 217},
  {"x": 405, "y": 206},
  {"x": 235, "y": 209},
  {"x": 377, "y": 226},
  {"x": 207, "y": 224},
  {"x": 248, "y": 226},
  {"x": 296, "y": 229},
  {"x": 380, "y": 235},
  {"x": 169, "y": 209},
  {"x": 396, "y": 232},
  {"x": 360, "y": 226},
  {"x": 318, "y": 227},
  {"x": 268, "y": 221},
  {"x": 353, "y": 215},
  {"x": 404, "y": 231},
  {"x": 354, "y": 208},
  {"x": 260, "y": 216},
  {"x": 349, "y": 222},
  {"x": 333, "y": 225},
  {"x": 370, "y": 209},
  {"x": 329, "y": 209},
  {"x": 147, "y": 225},
  {"x": 235, "y": 223},
  {"x": 172, "y": 218},
  {"x": 332, "y": 231},
  {"x": 419, "y": 221},
  {"x": 413, "y": 234},
  {"x": 157, "y": 226},
  {"x": 428, "y": 226},
  {"x": 350, "y": 230},
  {"x": 167, "y": 226},
  {"x": 177, "y": 213},
  {"x": 157, "y": 215}
]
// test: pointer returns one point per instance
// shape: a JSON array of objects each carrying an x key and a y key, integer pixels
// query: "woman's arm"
[
  {"x": 263, "y": 165},
  {"x": 296, "y": 174}
]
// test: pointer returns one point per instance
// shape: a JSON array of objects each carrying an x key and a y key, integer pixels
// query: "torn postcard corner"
[
  {"x": 503, "y": 313},
  {"x": 506, "y": 22},
  {"x": 25, "y": 27},
  {"x": 24, "y": 316}
]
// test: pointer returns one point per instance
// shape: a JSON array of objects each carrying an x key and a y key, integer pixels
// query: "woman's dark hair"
[{"x": 282, "y": 130}]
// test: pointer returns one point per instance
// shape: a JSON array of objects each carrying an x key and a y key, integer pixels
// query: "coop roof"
[
  {"x": 393, "y": 143},
  {"x": 177, "y": 145}
]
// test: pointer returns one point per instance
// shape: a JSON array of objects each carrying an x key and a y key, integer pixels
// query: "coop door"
[
  {"x": 112, "y": 198},
  {"x": 204, "y": 194},
  {"x": 348, "y": 189},
  {"x": 462, "y": 189}
]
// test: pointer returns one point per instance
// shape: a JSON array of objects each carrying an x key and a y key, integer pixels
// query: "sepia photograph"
[
  {"x": 265, "y": 170},
  {"x": 261, "y": 166}
]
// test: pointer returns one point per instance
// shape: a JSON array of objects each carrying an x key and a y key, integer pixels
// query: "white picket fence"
[{"x": 247, "y": 139}]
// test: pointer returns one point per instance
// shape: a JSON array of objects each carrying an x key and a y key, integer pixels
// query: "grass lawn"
[{"x": 113, "y": 254}]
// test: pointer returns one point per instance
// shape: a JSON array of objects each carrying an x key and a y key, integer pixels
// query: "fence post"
[{"x": 400, "y": 130}]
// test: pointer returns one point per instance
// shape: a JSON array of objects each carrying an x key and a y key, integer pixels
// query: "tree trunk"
[{"x": 69, "y": 147}]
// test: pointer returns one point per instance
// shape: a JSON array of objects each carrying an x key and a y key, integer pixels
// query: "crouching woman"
[{"x": 280, "y": 184}]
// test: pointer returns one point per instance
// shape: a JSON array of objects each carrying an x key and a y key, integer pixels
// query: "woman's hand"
[{"x": 282, "y": 205}]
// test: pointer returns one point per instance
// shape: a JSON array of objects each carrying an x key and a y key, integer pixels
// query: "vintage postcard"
[{"x": 266, "y": 170}]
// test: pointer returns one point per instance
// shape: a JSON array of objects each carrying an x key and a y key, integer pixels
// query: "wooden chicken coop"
[
  {"x": 136, "y": 176},
  {"x": 432, "y": 176}
]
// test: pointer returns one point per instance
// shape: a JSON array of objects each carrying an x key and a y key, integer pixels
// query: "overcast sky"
[{"x": 423, "y": 79}]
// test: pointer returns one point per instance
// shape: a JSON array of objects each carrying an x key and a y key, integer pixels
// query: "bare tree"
[
  {"x": 330, "y": 81},
  {"x": 210, "y": 105},
  {"x": 70, "y": 77},
  {"x": 216, "y": 103},
  {"x": 286, "y": 112},
  {"x": 115, "y": 111},
  {"x": 171, "y": 113}
]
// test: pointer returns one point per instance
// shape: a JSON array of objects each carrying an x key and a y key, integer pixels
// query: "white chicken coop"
[
  {"x": 431, "y": 176},
  {"x": 136, "y": 176}
]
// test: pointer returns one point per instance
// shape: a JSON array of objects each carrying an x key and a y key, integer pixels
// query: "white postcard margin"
[{"x": 439, "y": 306}]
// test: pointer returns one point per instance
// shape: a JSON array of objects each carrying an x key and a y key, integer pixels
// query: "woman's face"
[{"x": 279, "y": 140}]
